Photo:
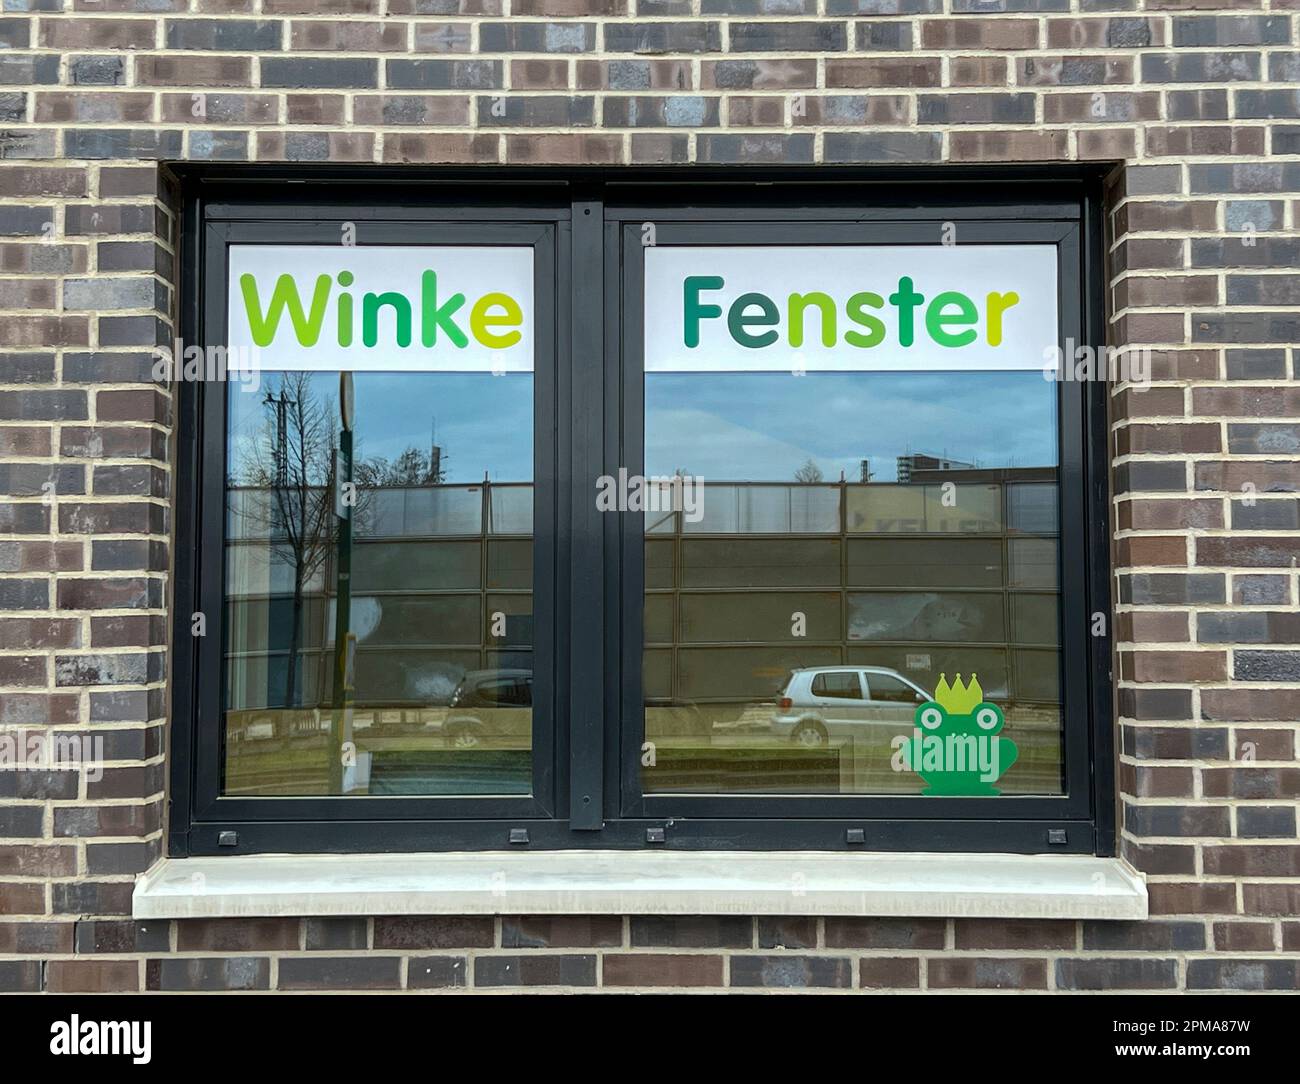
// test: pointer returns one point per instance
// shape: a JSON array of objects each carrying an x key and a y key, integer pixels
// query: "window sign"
[
  {"x": 431, "y": 308},
  {"x": 845, "y": 308}
]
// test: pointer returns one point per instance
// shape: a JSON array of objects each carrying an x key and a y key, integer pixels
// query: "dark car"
[{"x": 491, "y": 707}]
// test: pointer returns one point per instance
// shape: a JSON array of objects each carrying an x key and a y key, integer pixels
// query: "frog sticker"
[{"x": 955, "y": 745}]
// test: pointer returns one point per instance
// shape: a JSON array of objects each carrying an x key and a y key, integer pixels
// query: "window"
[
  {"x": 891, "y": 690},
  {"x": 839, "y": 685},
  {"x": 586, "y": 506}
]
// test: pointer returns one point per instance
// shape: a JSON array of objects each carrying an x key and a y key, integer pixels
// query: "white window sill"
[{"x": 644, "y": 882}]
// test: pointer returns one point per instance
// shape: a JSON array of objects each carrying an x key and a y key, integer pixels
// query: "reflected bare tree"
[
  {"x": 411, "y": 468},
  {"x": 292, "y": 461},
  {"x": 809, "y": 472}
]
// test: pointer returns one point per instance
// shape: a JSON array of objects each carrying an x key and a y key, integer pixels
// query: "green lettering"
[
  {"x": 798, "y": 303},
  {"x": 480, "y": 320},
  {"x": 876, "y": 327},
  {"x": 997, "y": 305},
  {"x": 370, "y": 306},
  {"x": 737, "y": 321},
  {"x": 345, "y": 310},
  {"x": 905, "y": 299},
  {"x": 285, "y": 296},
  {"x": 692, "y": 311},
  {"x": 936, "y": 319},
  {"x": 433, "y": 316}
]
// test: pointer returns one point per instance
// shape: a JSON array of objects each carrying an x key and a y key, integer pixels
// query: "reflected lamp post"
[
  {"x": 278, "y": 515},
  {"x": 344, "y": 638}
]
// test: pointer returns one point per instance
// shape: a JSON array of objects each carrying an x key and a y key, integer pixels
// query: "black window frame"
[{"x": 589, "y": 422}]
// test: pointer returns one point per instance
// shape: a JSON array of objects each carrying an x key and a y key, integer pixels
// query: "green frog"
[{"x": 955, "y": 745}]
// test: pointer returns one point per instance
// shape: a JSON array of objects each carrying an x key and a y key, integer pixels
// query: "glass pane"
[
  {"x": 930, "y": 509},
  {"x": 851, "y": 557},
  {"x": 394, "y": 657},
  {"x": 927, "y": 617},
  {"x": 1033, "y": 562},
  {"x": 924, "y": 562},
  {"x": 1031, "y": 509}
]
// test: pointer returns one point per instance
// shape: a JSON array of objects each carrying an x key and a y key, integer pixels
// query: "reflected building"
[
  {"x": 954, "y": 572},
  {"x": 907, "y": 466},
  {"x": 441, "y": 588}
]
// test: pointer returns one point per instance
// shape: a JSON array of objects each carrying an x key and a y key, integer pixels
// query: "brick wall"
[{"x": 1194, "y": 100}]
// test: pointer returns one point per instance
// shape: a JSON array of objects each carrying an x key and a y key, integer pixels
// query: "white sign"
[
  {"x": 850, "y": 308},
  {"x": 381, "y": 308}
]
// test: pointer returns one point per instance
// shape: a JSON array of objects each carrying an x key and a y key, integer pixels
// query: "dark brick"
[
  {"x": 542, "y": 969},
  {"x": 228, "y": 973},
  {"x": 335, "y": 934},
  {"x": 883, "y": 146},
  {"x": 236, "y": 934},
  {"x": 1266, "y": 822},
  {"x": 20, "y": 976},
  {"x": 646, "y": 37},
  {"x": 790, "y": 971},
  {"x": 1117, "y": 973},
  {"x": 1199, "y": 31},
  {"x": 884, "y": 933},
  {"x": 755, "y": 148},
  {"x": 562, "y": 931},
  {"x": 989, "y": 973},
  {"x": 793, "y": 37},
  {"x": 787, "y": 932},
  {"x": 1243, "y": 974},
  {"x": 703, "y": 931},
  {"x": 435, "y": 972},
  {"x": 443, "y": 74},
  {"x": 91, "y": 976},
  {"x": 97, "y": 142},
  {"x": 661, "y": 969},
  {"x": 1143, "y": 936},
  {"x": 340, "y": 973},
  {"x": 435, "y": 932},
  {"x": 346, "y": 72},
  {"x": 1216, "y": 67},
  {"x": 885, "y": 972},
  {"x": 233, "y": 35},
  {"x": 1010, "y": 934},
  {"x": 537, "y": 37},
  {"x": 121, "y": 937}
]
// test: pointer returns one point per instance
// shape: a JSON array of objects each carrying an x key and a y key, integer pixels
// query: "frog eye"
[
  {"x": 987, "y": 718},
  {"x": 931, "y": 718}
]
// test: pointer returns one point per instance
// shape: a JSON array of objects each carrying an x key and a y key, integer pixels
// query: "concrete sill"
[{"x": 643, "y": 882}]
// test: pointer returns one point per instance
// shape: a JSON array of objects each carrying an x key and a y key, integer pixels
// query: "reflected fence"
[{"x": 957, "y": 574}]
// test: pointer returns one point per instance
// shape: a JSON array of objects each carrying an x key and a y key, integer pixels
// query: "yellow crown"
[{"x": 958, "y": 699}]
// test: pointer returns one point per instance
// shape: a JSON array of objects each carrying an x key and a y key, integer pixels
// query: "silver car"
[{"x": 822, "y": 703}]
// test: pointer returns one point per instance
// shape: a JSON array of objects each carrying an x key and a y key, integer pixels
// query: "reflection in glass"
[
  {"x": 428, "y": 579},
  {"x": 862, "y": 535}
]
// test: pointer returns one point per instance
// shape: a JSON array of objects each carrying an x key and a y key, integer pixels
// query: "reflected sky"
[
  {"x": 483, "y": 423},
  {"x": 761, "y": 426},
  {"x": 765, "y": 426}
]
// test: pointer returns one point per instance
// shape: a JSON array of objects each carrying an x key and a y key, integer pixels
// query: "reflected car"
[
  {"x": 821, "y": 703},
  {"x": 490, "y": 707}
]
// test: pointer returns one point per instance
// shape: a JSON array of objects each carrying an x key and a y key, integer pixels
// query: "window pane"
[
  {"x": 838, "y": 684},
  {"x": 883, "y": 688},
  {"x": 847, "y": 519},
  {"x": 438, "y": 609}
]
